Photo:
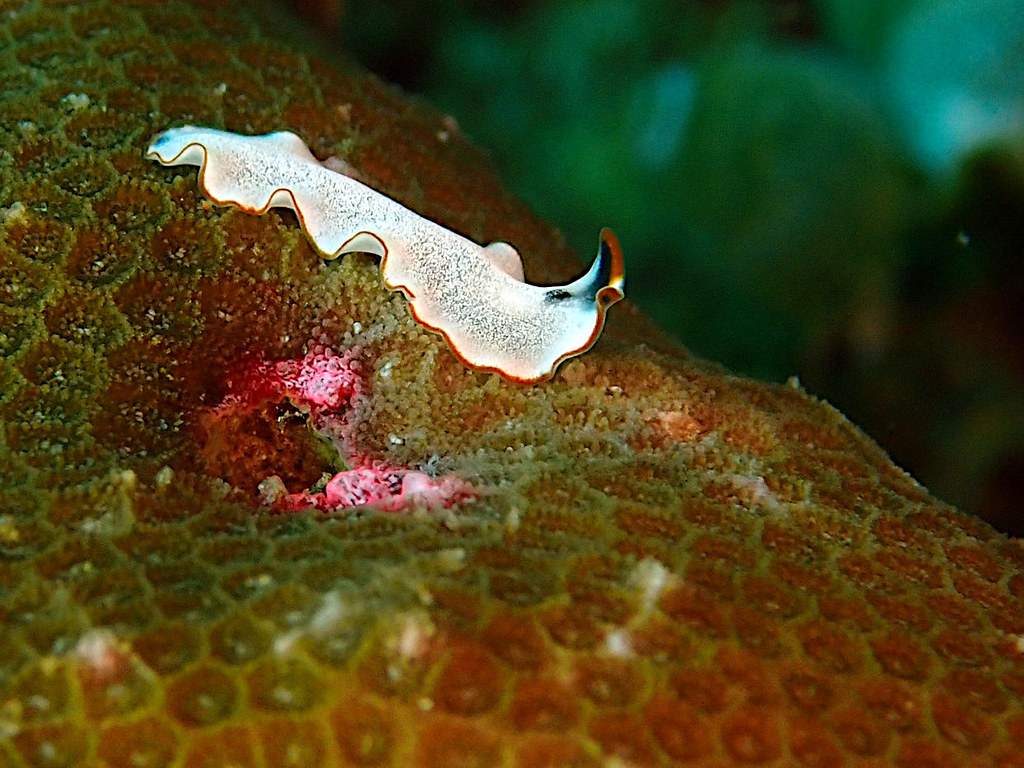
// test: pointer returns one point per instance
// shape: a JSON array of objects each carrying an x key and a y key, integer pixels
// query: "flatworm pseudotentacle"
[{"x": 474, "y": 295}]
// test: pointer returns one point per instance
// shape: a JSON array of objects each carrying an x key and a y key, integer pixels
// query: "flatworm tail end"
[
  {"x": 612, "y": 272},
  {"x": 590, "y": 297},
  {"x": 605, "y": 281}
]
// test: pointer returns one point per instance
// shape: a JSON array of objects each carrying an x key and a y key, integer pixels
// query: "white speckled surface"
[{"x": 472, "y": 294}]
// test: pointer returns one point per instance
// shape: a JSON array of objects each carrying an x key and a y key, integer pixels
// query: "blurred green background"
[{"x": 827, "y": 189}]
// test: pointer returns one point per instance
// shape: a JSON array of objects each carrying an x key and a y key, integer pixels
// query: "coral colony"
[
  {"x": 664, "y": 565},
  {"x": 473, "y": 295}
]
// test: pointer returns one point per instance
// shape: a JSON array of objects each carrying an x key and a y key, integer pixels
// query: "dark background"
[{"x": 832, "y": 190}]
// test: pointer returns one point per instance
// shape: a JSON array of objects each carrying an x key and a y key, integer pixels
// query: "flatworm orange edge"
[{"x": 474, "y": 296}]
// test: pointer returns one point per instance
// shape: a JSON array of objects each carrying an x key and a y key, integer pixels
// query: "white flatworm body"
[{"x": 474, "y": 295}]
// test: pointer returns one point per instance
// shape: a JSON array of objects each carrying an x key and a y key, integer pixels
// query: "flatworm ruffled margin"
[{"x": 473, "y": 295}]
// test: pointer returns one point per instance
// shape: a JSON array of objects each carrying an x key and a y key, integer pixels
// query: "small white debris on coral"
[
  {"x": 754, "y": 491},
  {"x": 272, "y": 490},
  {"x": 679, "y": 426},
  {"x": 163, "y": 478},
  {"x": 650, "y": 578},
  {"x": 259, "y": 582},
  {"x": 407, "y": 640},
  {"x": 13, "y": 212},
  {"x": 115, "y": 506},
  {"x": 619, "y": 643},
  {"x": 513, "y": 519},
  {"x": 449, "y": 128},
  {"x": 412, "y": 637},
  {"x": 76, "y": 100},
  {"x": 330, "y": 618},
  {"x": 101, "y": 651}
]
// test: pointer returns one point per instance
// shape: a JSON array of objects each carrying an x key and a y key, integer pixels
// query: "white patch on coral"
[
  {"x": 650, "y": 578},
  {"x": 272, "y": 490},
  {"x": 619, "y": 643},
  {"x": 754, "y": 491},
  {"x": 76, "y": 100},
  {"x": 432, "y": 493},
  {"x": 163, "y": 479},
  {"x": 413, "y": 636},
  {"x": 407, "y": 640},
  {"x": 330, "y": 619},
  {"x": 101, "y": 651},
  {"x": 332, "y": 613},
  {"x": 513, "y": 519},
  {"x": 13, "y": 212},
  {"x": 115, "y": 506}
]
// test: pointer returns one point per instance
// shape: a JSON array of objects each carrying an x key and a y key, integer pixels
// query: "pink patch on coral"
[
  {"x": 386, "y": 487},
  {"x": 321, "y": 380},
  {"x": 326, "y": 383},
  {"x": 435, "y": 491},
  {"x": 363, "y": 485},
  {"x": 322, "y": 377}
]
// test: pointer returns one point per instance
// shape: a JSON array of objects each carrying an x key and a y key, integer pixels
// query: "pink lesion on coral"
[
  {"x": 325, "y": 385},
  {"x": 387, "y": 487},
  {"x": 320, "y": 380}
]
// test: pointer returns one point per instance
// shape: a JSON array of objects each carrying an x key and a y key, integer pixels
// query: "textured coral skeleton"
[
  {"x": 661, "y": 564},
  {"x": 475, "y": 296}
]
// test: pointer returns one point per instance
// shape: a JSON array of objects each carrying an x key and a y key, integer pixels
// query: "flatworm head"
[{"x": 473, "y": 295}]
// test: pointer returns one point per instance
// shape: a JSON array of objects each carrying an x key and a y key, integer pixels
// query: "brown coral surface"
[{"x": 662, "y": 564}]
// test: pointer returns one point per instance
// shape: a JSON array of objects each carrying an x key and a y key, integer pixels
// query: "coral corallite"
[{"x": 644, "y": 562}]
